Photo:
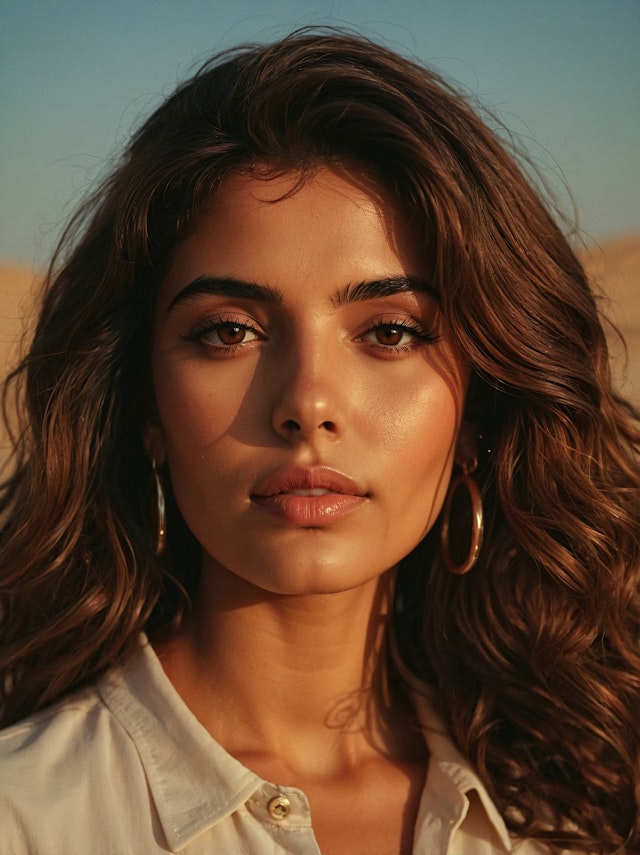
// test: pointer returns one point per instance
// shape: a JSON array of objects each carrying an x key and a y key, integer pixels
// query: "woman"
[{"x": 319, "y": 403}]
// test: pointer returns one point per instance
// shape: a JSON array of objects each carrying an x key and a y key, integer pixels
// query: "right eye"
[{"x": 223, "y": 335}]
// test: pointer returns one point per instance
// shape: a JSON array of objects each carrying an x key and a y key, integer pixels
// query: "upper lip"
[{"x": 307, "y": 478}]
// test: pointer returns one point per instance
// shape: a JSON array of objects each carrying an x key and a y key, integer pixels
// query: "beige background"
[
  {"x": 614, "y": 267},
  {"x": 18, "y": 286}
]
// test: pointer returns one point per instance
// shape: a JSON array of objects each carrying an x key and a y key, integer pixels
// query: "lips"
[
  {"x": 310, "y": 497},
  {"x": 294, "y": 479}
]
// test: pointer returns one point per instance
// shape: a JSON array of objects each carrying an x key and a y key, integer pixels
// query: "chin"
[{"x": 298, "y": 576}]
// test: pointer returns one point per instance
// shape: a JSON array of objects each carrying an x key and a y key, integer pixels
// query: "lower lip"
[{"x": 310, "y": 511}]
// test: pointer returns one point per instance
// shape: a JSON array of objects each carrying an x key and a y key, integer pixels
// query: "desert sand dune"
[
  {"x": 18, "y": 286},
  {"x": 614, "y": 268}
]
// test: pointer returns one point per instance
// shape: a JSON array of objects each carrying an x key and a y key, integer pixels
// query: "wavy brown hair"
[{"x": 535, "y": 653}]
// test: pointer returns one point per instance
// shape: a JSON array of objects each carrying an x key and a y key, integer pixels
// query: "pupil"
[
  {"x": 231, "y": 334},
  {"x": 389, "y": 335}
]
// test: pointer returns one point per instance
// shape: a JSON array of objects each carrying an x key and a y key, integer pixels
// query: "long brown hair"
[{"x": 535, "y": 653}]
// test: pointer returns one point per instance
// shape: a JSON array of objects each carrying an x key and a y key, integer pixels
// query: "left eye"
[
  {"x": 392, "y": 334},
  {"x": 396, "y": 335},
  {"x": 229, "y": 334},
  {"x": 223, "y": 334}
]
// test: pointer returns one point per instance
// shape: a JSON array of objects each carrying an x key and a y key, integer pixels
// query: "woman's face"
[{"x": 308, "y": 395}]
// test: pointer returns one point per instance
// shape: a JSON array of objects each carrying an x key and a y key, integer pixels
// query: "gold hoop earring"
[
  {"x": 160, "y": 510},
  {"x": 477, "y": 520}
]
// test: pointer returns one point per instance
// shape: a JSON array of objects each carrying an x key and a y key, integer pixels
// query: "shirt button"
[{"x": 279, "y": 807}]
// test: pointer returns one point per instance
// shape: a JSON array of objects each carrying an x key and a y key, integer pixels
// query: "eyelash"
[
  {"x": 198, "y": 333},
  {"x": 419, "y": 336}
]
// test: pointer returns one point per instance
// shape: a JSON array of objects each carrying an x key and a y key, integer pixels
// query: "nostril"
[{"x": 292, "y": 426}]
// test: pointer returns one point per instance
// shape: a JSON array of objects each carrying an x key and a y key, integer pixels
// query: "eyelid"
[
  {"x": 409, "y": 323},
  {"x": 420, "y": 335},
  {"x": 212, "y": 323}
]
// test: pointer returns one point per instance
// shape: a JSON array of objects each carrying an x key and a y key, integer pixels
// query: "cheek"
[
  {"x": 416, "y": 414},
  {"x": 196, "y": 409},
  {"x": 418, "y": 442}
]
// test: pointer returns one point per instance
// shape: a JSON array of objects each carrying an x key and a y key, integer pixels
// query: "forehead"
[{"x": 262, "y": 225}]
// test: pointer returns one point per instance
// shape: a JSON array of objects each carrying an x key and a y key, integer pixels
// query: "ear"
[
  {"x": 153, "y": 441},
  {"x": 467, "y": 443}
]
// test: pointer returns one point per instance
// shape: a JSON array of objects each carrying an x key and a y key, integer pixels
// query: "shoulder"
[
  {"x": 56, "y": 767},
  {"x": 58, "y": 739},
  {"x": 49, "y": 739},
  {"x": 68, "y": 744}
]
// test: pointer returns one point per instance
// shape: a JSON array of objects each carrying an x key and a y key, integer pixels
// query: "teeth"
[{"x": 315, "y": 491}]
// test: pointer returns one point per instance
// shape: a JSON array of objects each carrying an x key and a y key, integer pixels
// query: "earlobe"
[
  {"x": 153, "y": 441},
  {"x": 467, "y": 444}
]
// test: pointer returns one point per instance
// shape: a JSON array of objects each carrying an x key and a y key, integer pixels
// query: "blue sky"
[{"x": 77, "y": 75}]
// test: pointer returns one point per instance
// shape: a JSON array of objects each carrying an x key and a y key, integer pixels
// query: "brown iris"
[
  {"x": 231, "y": 333},
  {"x": 389, "y": 334}
]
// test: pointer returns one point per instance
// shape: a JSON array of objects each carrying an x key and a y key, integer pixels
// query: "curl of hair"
[{"x": 535, "y": 653}]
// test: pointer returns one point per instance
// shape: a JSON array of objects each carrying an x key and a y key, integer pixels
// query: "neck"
[{"x": 287, "y": 676}]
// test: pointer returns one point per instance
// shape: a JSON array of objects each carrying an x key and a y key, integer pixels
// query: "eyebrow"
[
  {"x": 376, "y": 288},
  {"x": 226, "y": 286}
]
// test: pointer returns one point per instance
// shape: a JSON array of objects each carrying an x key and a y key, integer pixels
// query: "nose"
[{"x": 309, "y": 399}]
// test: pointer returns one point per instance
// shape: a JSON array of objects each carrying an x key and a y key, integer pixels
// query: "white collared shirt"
[{"x": 124, "y": 768}]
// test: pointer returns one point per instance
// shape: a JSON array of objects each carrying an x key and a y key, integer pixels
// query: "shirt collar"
[
  {"x": 194, "y": 787},
  {"x": 450, "y": 777}
]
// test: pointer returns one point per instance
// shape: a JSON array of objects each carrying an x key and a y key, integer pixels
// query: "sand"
[
  {"x": 18, "y": 285},
  {"x": 614, "y": 270}
]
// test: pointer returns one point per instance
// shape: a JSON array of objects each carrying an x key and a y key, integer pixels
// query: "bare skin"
[
  {"x": 296, "y": 337},
  {"x": 292, "y": 700}
]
